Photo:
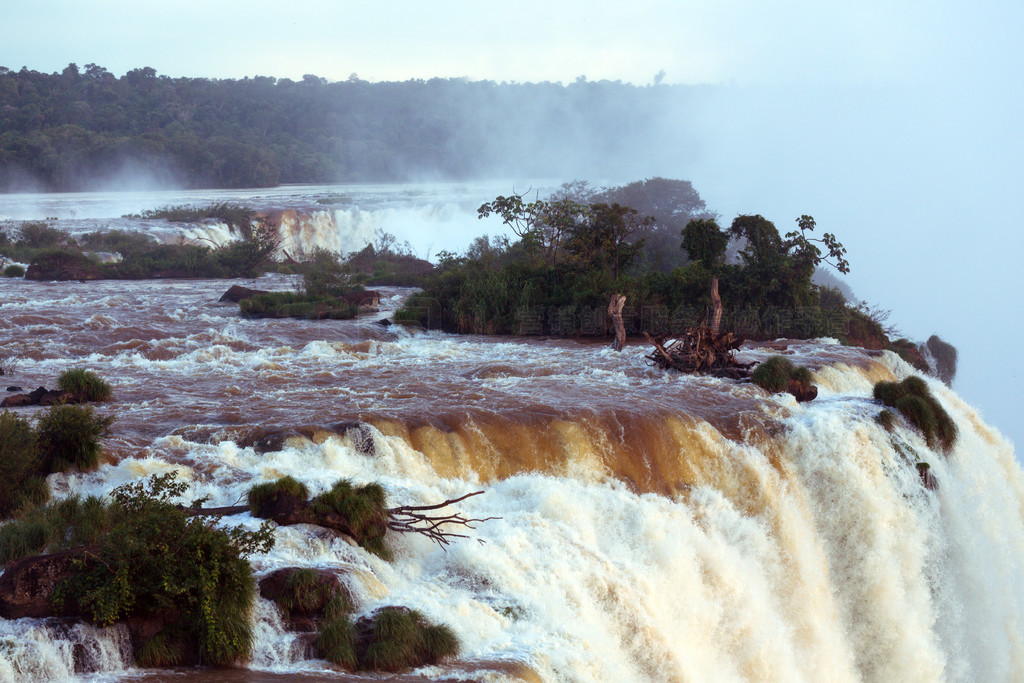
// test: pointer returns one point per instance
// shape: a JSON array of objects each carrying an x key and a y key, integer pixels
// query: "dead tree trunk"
[
  {"x": 716, "y": 304},
  {"x": 615, "y": 311}
]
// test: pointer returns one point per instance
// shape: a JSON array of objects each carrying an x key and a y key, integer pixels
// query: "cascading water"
[{"x": 650, "y": 526}]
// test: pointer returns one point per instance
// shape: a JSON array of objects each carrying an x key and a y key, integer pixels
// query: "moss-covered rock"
[
  {"x": 778, "y": 374},
  {"x": 913, "y": 400}
]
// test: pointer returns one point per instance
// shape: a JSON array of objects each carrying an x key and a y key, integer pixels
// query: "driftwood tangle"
[{"x": 701, "y": 350}]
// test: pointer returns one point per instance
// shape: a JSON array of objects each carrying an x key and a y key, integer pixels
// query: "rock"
[
  {"x": 37, "y": 395},
  {"x": 14, "y": 389},
  {"x": 16, "y": 401},
  {"x": 367, "y": 300},
  {"x": 26, "y": 584},
  {"x": 236, "y": 293},
  {"x": 56, "y": 397},
  {"x": 927, "y": 478},
  {"x": 803, "y": 391},
  {"x": 384, "y": 322}
]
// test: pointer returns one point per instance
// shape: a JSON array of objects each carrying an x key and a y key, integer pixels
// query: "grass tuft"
[
  {"x": 263, "y": 497},
  {"x": 336, "y": 641},
  {"x": 14, "y": 270},
  {"x": 915, "y": 403},
  {"x": 85, "y": 385},
  {"x": 402, "y": 638},
  {"x": 774, "y": 374},
  {"x": 159, "y": 652},
  {"x": 363, "y": 507},
  {"x": 19, "y": 462},
  {"x": 69, "y": 436}
]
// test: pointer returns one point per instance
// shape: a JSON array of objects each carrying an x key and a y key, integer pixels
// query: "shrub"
[
  {"x": 363, "y": 507},
  {"x": 399, "y": 638},
  {"x": 85, "y": 385},
  {"x": 915, "y": 403},
  {"x": 773, "y": 374},
  {"x": 69, "y": 436},
  {"x": 293, "y": 305},
  {"x": 19, "y": 460},
  {"x": 263, "y": 498},
  {"x": 37, "y": 234},
  {"x": 14, "y": 270}
]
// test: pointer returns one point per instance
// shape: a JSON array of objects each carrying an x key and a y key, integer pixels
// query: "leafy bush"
[
  {"x": 400, "y": 638},
  {"x": 365, "y": 509},
  {"x": 14, "y": 270},
  {"x": 85, "y": 385},
  {"x": 69, "y": 436},
  {"x": 264, "y": 497},
  {"x": 64, "y": 263},
  {"x": 156, "y": 562},
  {"x": 39, "y": 234},
  {"x": 915, "y": 403}
]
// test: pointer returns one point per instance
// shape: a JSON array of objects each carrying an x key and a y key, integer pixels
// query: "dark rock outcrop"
[
  {"x": 27, "y": 583},
  {"x": 236, "y": 293},
  {"x": 366, "y": 299},
  {"x": 16, "y": 401},
  {"x": 802, "y": 390},
  {"x": 40, "y": 397}
]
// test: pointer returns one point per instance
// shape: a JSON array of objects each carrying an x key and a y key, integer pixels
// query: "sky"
[{"x": 895, "y": 123}]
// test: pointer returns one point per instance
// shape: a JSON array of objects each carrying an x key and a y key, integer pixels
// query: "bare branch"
[{"x": 412, "y": 519}]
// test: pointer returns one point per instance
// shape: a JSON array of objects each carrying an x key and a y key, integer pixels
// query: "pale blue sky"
[{"x": 896, "y": 123}]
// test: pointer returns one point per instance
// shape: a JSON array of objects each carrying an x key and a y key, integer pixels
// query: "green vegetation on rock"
[
  {"x": 774, "y": 374},
  {"x": 915, "y": 402},
  {"x": 190, "y": 576},
  {"x": 84, "y": 385},
  {"x": 398, "y": 638}
]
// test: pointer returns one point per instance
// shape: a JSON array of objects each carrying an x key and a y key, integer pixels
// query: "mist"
[{"x": 921, "y": 184}]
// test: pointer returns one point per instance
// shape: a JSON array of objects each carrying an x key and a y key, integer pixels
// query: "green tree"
[{"x": 705, "y": 242}]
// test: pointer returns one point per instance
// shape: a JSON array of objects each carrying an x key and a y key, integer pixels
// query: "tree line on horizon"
[{"x": 81, "y": 128}]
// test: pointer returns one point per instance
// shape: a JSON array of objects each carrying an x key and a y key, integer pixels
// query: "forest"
[{"x": 85, "y": 128}]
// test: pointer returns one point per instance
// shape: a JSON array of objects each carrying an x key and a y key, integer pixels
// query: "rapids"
[{"x": 653, "y": 526}]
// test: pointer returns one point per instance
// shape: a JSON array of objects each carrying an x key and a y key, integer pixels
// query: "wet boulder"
[
  {"x": 26, "y": 584},
  {"x": 16, "y": 401},
  {"x": 802, "y": 390},
  {"x": 237, "y": 293}
]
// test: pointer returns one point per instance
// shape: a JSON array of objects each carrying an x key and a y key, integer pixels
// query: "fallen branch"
[{"x": 411, "y": 519}]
